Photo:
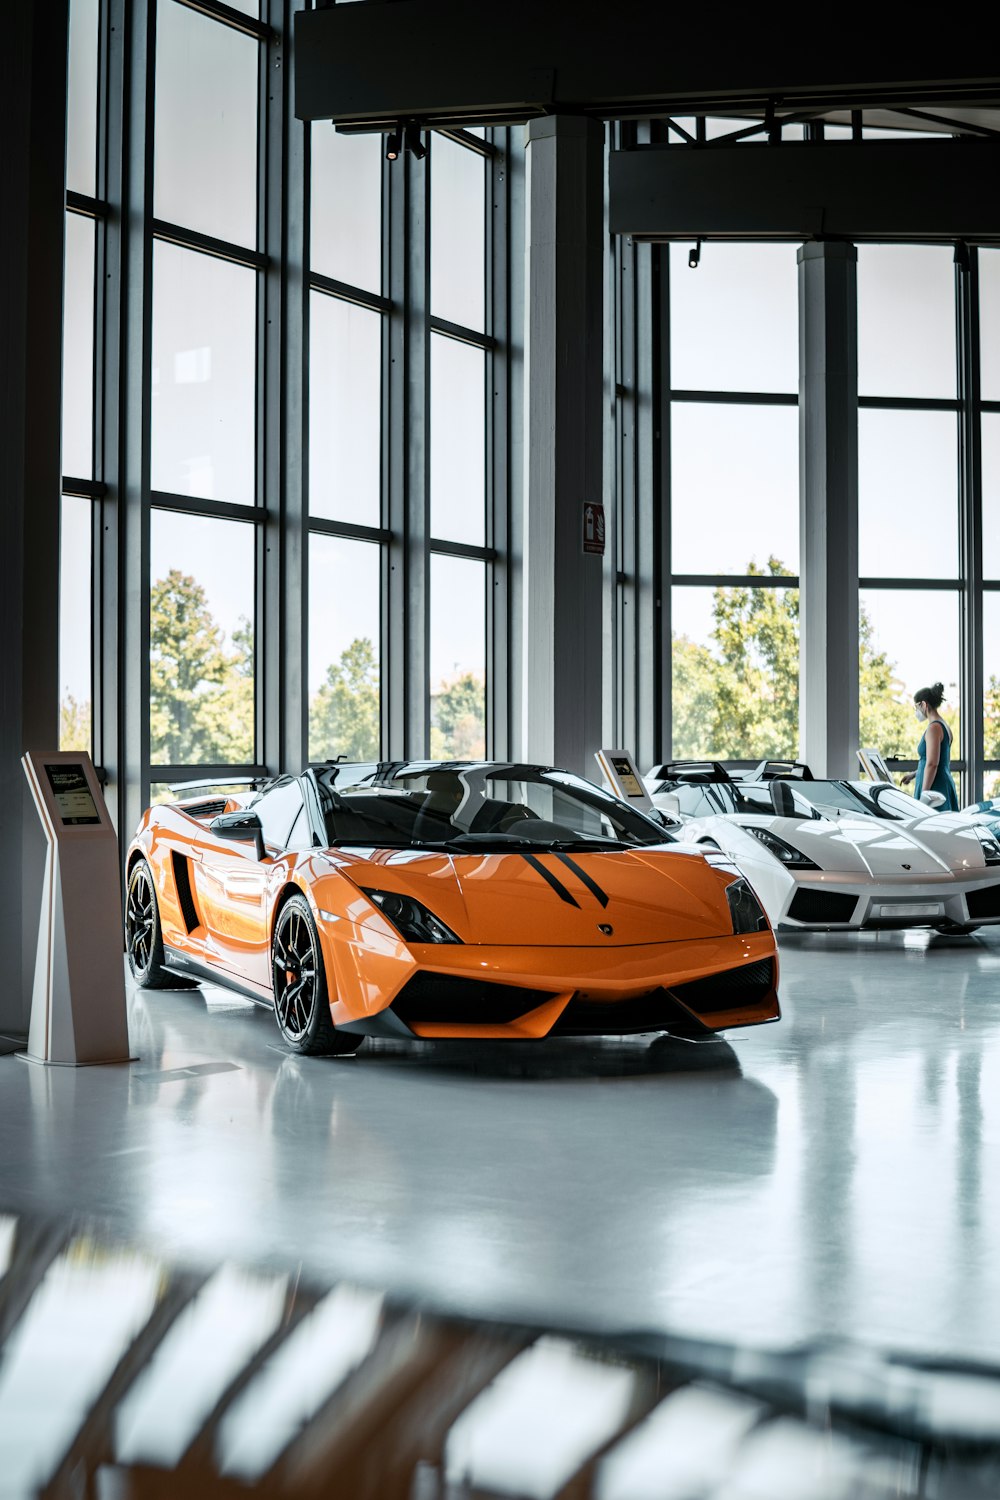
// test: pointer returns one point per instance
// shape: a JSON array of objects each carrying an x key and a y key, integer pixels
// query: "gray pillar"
[
  {"x": 828, "y": 502},
  {"x": 32, "y": 187},
  {"x": 563, "y": 441}
]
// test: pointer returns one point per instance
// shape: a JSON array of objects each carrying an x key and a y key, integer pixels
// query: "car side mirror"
[{"x": 243, "y": 826}]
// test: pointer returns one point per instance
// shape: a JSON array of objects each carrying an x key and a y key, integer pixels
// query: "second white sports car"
[{"x": 827, "y": 855}]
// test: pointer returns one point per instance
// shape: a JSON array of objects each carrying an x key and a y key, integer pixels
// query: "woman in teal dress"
[{"x": 933, "y": 773}]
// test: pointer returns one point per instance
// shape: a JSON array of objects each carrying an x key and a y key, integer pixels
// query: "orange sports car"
[{"x": 468, "y": 899}]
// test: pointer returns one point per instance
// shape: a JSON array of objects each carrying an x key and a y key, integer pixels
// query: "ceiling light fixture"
[
  {"x": 694, "y": 255},
  {"x": 394, "y": 143},
  {"x": 415, "y": 141}
]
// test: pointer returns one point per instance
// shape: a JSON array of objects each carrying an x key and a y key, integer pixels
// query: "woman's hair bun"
[{"x": 934, "y": 695}]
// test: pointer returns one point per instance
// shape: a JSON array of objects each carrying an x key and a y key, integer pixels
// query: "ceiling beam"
[{"x": 438, "y": 60}]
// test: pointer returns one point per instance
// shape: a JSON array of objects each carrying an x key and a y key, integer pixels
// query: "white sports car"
[{"x": 833, "y": 855}]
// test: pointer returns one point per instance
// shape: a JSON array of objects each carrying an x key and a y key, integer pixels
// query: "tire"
[
  {"x": 143, "y": 938},
  {"x": 301, "y": 998}
]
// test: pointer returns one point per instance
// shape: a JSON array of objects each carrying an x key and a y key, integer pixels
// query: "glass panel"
[
  {"x": 248, "y": 7},
  {"x": 346, "y": 207},
  {"x": 203, "y": 376},
  {"x": 345, "y": 372},
  {"x": 991, "y": 494},
  {"x": 458, "y": 441},
  {"x": 78, "y": 350},
  {"x": 458, "y": 658},
  {"x": 991, "y": 656},
  {"x": 909, "y": 640},
  {"x": 205, "y": 161},
  {"x": 735, "y": 672},
  {"x": 75, "y": 586},
  {"x": 906, "y": 320},
  {"x": 989, "y": 323},
  {"x": 908, "y": 494},
  {"x": 735, "y": 487},
  {"x": 458, "y": 233},
  {"x": 344, "y": 649},
  {"x": 81, "y": 104},
  {"x": 734, "y": 320},
  {"x": 201, "y": 641}
]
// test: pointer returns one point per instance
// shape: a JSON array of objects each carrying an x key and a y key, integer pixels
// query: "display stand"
[
  {"x": 619, "y": 770},
  {"x": 78, "y": 1000}
]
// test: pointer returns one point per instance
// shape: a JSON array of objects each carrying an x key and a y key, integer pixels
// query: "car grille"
[
  {"x": 985, "y": 902},
  {"x": 821, "y": 906},
  {"x": 445, "y": 998},
  {"x": 658, "y": 1011}
]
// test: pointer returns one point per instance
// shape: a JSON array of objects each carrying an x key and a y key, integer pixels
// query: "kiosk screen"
[
  {"x": 73, "y": 798},
  {"x": 626, "y": 776}
]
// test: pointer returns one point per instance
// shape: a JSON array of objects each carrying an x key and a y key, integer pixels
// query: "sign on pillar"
[
  {"x": 78, "y": 1000},
  {"x": 593, "y": 528}
]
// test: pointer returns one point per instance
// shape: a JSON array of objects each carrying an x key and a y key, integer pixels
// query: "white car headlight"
[{"x": 786, "y": 853}]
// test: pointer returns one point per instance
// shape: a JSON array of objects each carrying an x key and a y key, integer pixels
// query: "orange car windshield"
[{"x": 467, "y": 807}]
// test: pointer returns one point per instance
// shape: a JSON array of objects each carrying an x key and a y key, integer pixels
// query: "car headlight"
[
  {"x": 744, "y": 908},
  {"x": 786, "y": 853},
  {"x": 991, "y": 848},
  {"x": 413, "y": 921}
]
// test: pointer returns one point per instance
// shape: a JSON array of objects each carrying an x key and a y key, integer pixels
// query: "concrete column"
[
  {"x": 828, "y": 507},
  {"x": 32, "y": 186},
  {"x": 563, "y": 441}
]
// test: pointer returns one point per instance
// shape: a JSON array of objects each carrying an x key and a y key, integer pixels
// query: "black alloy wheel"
[
  {"x": 301, "y": 999},
  {"x": 143, "y": 939}
]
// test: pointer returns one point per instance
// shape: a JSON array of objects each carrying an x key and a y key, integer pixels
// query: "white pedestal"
[{"x": 78, "y": 1000}]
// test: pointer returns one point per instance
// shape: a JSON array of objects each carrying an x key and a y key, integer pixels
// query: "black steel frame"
[
  {"x": 120, "y": 488},
  {"x": 638, "y": 486}
]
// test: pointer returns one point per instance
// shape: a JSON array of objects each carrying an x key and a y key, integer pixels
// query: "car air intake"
[
  {"x": 444, "y": 998},
  {"x": 985, "y": 902},
  {"x": 821, "y": 907}
]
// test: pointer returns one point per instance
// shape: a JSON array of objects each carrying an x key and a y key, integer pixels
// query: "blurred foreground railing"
[{"x": 122, "y": 1376}]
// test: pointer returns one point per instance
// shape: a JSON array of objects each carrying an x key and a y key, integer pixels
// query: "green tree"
[
  {"x": 74, "y": 724},
  {"x": 344, "y": 714},
  {"x": 739, "y": 697},
  {"x": 458, "y": 719},
  {"x": 201, "y": 695}
]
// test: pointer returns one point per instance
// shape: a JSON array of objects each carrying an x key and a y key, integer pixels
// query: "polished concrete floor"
[{"x": 835, "y": 1174}]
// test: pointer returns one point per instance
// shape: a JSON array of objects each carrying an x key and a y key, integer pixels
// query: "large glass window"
[
  {"x": 734, "y": 319},
  {"x": 78, "y": 349},
  {"x": 203, "y": 375},
  {"x": 909, "y": 640},
  {"x": 991, "y": 686},
  {"x": 735, "y": 672},
  {"x": 989, "y": 324},
  {"x": 734, "y": 486},
  {"x": 346, "y": 207},
  {"x": 344, "y": 649},
  {"x": 201, "y": 640},
  {"x": 907, "y": 494},
  {"x": 991, "y": 494},
  {"x": 458, "y": 233},
  {"x": 345, "y": 363},
  {"x": 458, "y": 658},
  {"x": 81, "y": 132},
  {"x": 75, "y": 689},
  {"x": 458, "y": 438},
  {"x": 205, "y": 169},
  {"x": 906, "y": 320}
]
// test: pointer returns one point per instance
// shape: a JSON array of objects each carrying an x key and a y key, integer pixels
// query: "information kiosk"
[
  {"x": 623, "y": 778},
  {"x": 78, "y": 1000}
]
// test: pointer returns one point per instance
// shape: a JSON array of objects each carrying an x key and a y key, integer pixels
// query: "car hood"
[
  {"x": 882, "y": 850},
  {"x": 538, "y": 898}
]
